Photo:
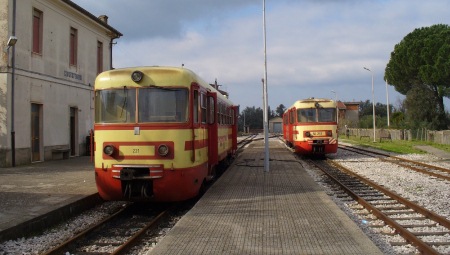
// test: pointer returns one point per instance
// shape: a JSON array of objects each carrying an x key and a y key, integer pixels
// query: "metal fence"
[{"x": 441, "y": 137}]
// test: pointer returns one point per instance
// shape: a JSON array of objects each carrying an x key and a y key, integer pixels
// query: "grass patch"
[{"x": 397, "y": 146}]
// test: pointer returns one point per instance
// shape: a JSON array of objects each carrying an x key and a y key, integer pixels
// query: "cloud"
[
  {"x": 313, "y": 46},
  {"x": 139, "y": 19}
]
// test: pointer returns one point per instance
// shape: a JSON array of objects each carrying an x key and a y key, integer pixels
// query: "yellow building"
[{"x": 52, "y": 50}]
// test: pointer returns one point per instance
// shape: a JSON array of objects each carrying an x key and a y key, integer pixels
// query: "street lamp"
[
  {"x": 337, "y": 106},
  {"x": 387, "y": 102},
  {"x": 11, "y": 43},
  {"x": 265, "y": 100},
  {"x": 373, "y": 105}
]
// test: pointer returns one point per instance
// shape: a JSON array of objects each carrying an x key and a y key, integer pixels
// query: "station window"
[
  {"x": 73, "y": 46},
  {"x": 37, "y": 31}
]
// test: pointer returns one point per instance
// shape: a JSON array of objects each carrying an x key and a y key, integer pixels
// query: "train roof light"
[{"x": 137, "y": 76}]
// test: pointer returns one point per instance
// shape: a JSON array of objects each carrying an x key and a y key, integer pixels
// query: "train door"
[
  {"x": 234, "y": 123},
  {"x": 285, "y": 126},
  {"x": 291, "y": 124},
  {"x": 213, "y": 140}
]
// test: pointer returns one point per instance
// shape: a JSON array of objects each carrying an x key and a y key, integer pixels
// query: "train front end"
[
  {"x": 144, "y": 138},
  {"x": 312, "y": 128}
]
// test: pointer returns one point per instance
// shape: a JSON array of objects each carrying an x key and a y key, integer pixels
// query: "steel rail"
[
  {"x": 61, "y": 249},
  {"x": 429, "y": 214},
  {"x": 423, "y": 247},
  {"x": 390, "y": 158},
  {"x": 138, "y": 235}
]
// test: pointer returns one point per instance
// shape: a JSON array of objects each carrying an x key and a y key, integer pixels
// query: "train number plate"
[
  {"x": 318, "y": 133},
  {"x": 137, "y": 150}
]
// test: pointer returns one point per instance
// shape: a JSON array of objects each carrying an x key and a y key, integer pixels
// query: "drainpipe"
[
  {"x": 111, "y": 43},
  {"x": 111, "y": 51},
  {"x": 13, "y": 62}
]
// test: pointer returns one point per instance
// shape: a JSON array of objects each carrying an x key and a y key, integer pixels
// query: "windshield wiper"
[
  {"x": 164, "y": 88},
  {"x": 125, "y": 89}
]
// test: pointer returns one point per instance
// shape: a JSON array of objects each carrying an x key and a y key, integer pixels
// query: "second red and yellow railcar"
[
  {"x": 310, "y": 126},
  {"x": 160, "y": 133}
]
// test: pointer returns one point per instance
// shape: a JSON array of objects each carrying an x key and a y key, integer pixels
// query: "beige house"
[{"x": 52, "y": 50}]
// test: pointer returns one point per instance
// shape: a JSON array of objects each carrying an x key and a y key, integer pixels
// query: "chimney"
[{"x": 103, "y": 18}]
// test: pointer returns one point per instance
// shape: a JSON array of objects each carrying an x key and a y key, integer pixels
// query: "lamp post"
[
  {"x": 373, "y": 105},
  {"x": 387, "y": 103},
  {"x": 337, "y": 107},
  {"x": 266, "y": 126},
  {"x": 245, "y": 130}
]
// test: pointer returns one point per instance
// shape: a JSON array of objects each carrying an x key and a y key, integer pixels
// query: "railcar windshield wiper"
[
  {"x": 125, "y": 90},
  {"x": 164, "y": 88}
]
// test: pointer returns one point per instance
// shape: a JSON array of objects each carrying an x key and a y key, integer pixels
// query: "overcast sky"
[{"x": 314, "y": 47}]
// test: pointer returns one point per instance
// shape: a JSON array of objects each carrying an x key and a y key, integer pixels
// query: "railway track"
[
  {"x": 251, "y": 138},
  {"x": 116, "y": 234},
  {"x": 435, "y": 171},
  {"x": 380, "y": 207}
]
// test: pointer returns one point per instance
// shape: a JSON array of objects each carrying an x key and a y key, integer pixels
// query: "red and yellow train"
[
  {"x": 160, "y": 133},
  {"x": 310, "y": 126}
]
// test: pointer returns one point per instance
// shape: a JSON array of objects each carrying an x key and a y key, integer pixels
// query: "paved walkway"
[
  {"x": 32, "y": 192},
  {"x": 249, "y": 211}
]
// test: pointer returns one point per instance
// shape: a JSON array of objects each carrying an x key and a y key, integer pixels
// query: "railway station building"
[{"x": 51, "y": 52}]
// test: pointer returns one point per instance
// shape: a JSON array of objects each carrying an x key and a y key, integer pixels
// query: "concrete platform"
[
  {"x": 41, "y": 194},
  {"x": 250, "y": 211}
]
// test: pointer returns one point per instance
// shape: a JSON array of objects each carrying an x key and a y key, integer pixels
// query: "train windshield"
[
  {"x": 115, "y": 105},
  {"x": 316, "y": 115},
  {"x": 155, "y": 104},
  {"x": 159, "y": 104}
]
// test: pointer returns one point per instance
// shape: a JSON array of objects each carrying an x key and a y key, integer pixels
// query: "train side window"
[
  {"x": 211, "y": 118},
  {"x": 220, "y": 114},
  {"x": 203, "y": 107},
  {"x": 291, "y": 117},
  {"x": 227, "y": 121},
  {"x": 232, "y": 117},
  {"x": 195, "y": 107}
]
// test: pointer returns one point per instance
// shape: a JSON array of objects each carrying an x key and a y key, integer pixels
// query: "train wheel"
[{"x": 203, "y": 188}]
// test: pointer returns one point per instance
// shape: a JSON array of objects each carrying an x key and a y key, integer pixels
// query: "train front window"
[
  {"x": 159, "y": 104},
  {"x": 306, "y": 115},
  {"x": 316, "y": 115},
  {"x": 115, "y": 105},
  {"x": 327, "y": 114}
]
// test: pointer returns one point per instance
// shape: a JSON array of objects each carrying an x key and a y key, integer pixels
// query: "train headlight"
[
  {"x": 163, "y": 150},
  {"x": 137, "y": 76},
  {"x": 329, "y": 133},
  {"x": 108, "y": 150},
  {"x": 307, "y": 134}
]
